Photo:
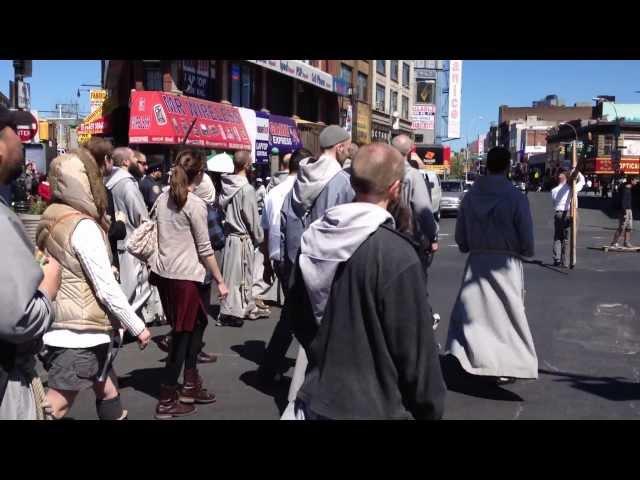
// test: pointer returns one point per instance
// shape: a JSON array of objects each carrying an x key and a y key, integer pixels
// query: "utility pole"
[{"x": 574, "y": 206}]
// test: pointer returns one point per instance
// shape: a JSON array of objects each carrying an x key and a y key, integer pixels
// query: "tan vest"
[{"x": 76, "y": 306}]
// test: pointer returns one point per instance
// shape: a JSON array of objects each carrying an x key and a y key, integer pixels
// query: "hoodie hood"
[
  {"x": 312, "y": 178},
  {"x": 279, "y": 177},
  {"x": 205, "y": 190},
  {"x": 230, "y": 186},
  {"x": 70, "y": 184},
  {"x": 331, "y": 240},
  {"x": 487, "y": 193},
  {"x": 117, "y": 174}
]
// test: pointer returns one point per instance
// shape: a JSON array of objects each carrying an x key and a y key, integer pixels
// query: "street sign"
[{"x": 26, "y": 132}]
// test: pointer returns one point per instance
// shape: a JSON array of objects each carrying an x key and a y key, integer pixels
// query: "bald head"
[
  {"x": 122, "y": 156},
  {"x": 403, "y": 144},
  {"x": 241, "y": 160},
  {"x": 375, "y": 168}
]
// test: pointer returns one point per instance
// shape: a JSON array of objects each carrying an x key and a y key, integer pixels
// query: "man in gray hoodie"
[
  {"x": 129, "y": 208},
  {"x": 415, "y": 197},
  {"x": 320, "y": 184},
  {"x": 27, "y": 290},
  {"x": 360, "y": 309}
]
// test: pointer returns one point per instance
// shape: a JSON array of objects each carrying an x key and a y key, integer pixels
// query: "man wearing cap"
[
  {"x": 320, "y": 184},
  {"x": 27, "y": 297}
]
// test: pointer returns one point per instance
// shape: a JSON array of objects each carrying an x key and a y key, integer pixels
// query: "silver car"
[{"x": 452, "y": 193}]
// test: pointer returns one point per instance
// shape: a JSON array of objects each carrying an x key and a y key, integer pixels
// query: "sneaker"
[
  {"x": 258, "y": 313},
  {"x": 628, "y": 245},
  {"x": 229, "y": 321},
  {"x": 261, "y": 305},
  {"x": 556, "y": 263},
  {"x": 614, "y": 245}
]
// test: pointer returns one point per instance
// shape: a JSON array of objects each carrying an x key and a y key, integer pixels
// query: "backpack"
[{"x": 215, "y": 220}]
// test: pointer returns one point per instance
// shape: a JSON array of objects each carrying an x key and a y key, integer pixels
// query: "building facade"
[
  {"x": 303, "y": 90},
  {"x": 392, "y": 98},
  {"x": 513, "y": 121},
  {"x": 353, "y": 84}
]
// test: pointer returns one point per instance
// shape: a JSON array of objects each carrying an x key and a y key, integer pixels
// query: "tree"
[{"x": 457, "y": 166}]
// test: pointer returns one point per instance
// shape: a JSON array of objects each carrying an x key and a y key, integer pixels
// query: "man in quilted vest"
[{"x": 90, "y": 307}]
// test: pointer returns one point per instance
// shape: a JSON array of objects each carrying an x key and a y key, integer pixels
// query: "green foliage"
[
  {"x": 457, "y": 166},
  {"x": 37, "y": 208}
]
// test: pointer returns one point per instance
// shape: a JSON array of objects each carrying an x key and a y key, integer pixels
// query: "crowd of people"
[{"x": 346, "y": 238}]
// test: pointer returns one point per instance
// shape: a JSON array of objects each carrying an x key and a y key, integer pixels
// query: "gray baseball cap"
[{"x": 332, "y": 135}]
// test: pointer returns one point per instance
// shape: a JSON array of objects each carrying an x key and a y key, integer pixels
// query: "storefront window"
[
  {"x": 394, "y": 70},
  {"x": 246, "y": 86},
  {"x": 362, "y": 87},
  {"x": 394, "y": 102},
  {"x": 381, "y": 67},
  {"x": 405, "y": 75},
  {"x": 346, "y": 73},
  {"x": 380, "y": 101},
  {"x": 236, "y": 90},
  {"x": 425, "y": 91},
  {"x": 152, "y": 76}
]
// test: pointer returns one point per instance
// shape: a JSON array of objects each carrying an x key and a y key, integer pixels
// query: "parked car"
[
  {"x": 452, "y": 193},
  {"x": 435, "y": 191}
]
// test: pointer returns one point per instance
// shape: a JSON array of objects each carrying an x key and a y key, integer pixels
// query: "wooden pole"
[{"x": 574, "y": 207}]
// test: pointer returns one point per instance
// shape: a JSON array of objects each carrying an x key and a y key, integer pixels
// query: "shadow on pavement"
[
  {"x": 277, "y": 390},
  {"x": 459, "y": 381},
  {"x": 253, "y": 350},
  {"x": 597, "y": 203},
  {"x": 145, "y": 380},
  {"x": 615, "y": 389}
]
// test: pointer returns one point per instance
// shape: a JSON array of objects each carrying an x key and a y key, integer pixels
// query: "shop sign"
[
  {"x": 164, "y": 118},
  {"x": 423, "y": 117},
  {"x": 606, "y": 165},
  {"x": 363, "y": 125},
  {"x": 99, "y": 126},
  {"x": 455, "y": 98},
  {"x": 300, "y": 71},
  {"x": 262, "y": 137}
]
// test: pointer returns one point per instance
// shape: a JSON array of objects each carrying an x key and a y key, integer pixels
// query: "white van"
[{"x": 435, "y": 190}]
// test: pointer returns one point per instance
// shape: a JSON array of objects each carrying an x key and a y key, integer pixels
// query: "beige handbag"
[{"x": 143, "y": 241}]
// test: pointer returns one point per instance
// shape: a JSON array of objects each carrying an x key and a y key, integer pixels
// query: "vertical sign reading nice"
[{"x": 455, "y": 98}]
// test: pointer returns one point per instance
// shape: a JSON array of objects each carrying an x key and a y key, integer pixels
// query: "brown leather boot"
[
  {"x": 169, "y": 406},
  {"x": 192, "y": 391}
]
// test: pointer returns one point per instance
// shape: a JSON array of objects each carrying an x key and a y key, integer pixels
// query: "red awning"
[{"x": 164, "y": 118}]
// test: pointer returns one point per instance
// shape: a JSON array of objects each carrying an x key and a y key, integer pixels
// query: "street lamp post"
[
  {"x": 574, "y": 197},
  {"x": 466, "y": 138}
]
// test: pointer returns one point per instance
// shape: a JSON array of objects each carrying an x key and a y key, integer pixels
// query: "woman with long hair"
[
  {"x": 179, "y": 270},
  {"x": 90, "y": 307}
]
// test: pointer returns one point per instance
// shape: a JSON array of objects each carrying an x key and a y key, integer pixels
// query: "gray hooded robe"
[
  {"x": 127, "y": 199},
  {"x": 244, "y": 233},
  {"x": 488, "y": 332}
]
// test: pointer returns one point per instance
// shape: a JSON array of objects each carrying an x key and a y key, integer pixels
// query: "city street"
[{"x": 584, "y": 323}]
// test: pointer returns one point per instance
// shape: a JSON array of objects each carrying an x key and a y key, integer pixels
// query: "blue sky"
[
  {"x": 488, "y": 84},
  {"x": 485, "y": 85},
  {"x": 55, "y": 81}
]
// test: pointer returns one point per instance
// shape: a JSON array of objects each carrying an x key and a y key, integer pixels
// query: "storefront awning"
[{"x": 165, "y": 118}]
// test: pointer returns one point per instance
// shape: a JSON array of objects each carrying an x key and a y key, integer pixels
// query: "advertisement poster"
[
  {"x": 164, "y": 118},
  {"x": 262, "y": 137},
  {"x": 283, "y": 134},
  {"x": 423, "y": 117},
  {"x": 455, "y": 98},
  {"x": 195, "y": 78}
]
